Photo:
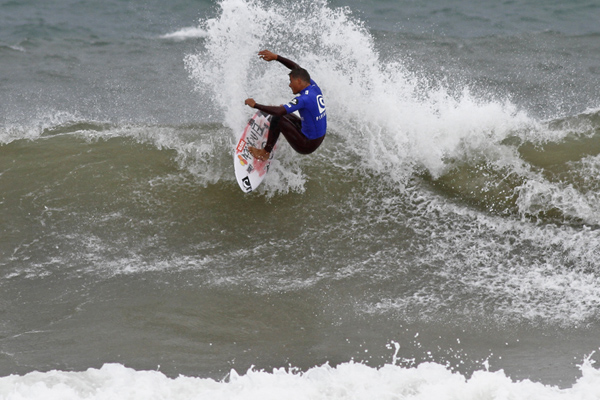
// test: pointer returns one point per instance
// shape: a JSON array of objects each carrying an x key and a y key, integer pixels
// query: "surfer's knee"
[{"x": 275, "y": 120}]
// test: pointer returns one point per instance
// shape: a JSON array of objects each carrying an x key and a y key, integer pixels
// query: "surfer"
[{"x": 304, "y": 134}]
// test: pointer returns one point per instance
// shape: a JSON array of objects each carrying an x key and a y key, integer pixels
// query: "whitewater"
[{"x": 346, "y": 381}]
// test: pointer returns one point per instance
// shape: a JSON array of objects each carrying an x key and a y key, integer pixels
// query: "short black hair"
[{"x": 300, "y": 73}]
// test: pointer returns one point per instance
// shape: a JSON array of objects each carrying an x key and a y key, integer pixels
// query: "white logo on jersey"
[
  {"x": 321, "y": 103},
  {"x": 293, "y": 102}
]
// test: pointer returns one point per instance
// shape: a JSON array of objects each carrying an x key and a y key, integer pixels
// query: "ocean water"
[{"x": 442, "y": 243}]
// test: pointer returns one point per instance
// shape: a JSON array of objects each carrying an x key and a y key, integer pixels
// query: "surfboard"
[{"x": 250, "y": 171}]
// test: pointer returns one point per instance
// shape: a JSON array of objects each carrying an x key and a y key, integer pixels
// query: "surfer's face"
[{"x": 296, "y": 84}]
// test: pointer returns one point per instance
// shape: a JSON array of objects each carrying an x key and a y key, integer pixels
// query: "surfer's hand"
[
  {"x": 259, "y": 154},
  {"x": 250, "y": 102},
  {"x": 267, "y": 55}
]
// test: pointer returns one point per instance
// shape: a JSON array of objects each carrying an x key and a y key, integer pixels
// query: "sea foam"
[
  {"x": 395, "y": 121},
  {"x": 191, "y": 32},
  {"x": 428, "y": 381}
]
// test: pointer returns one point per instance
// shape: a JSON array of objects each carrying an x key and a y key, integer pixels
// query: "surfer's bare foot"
[{"x": 259, "y": 154}]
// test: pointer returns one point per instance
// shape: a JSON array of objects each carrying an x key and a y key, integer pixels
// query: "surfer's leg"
[
  {"x": 291, "y": 127},
  {"x": 274, "y": 131}
]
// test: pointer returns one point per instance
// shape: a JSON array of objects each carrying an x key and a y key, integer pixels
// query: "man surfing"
[{"x": 304, "y": 134}]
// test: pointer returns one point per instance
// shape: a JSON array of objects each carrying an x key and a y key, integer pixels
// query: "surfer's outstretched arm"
[
  {"x": 273, "y": 110},
  {"x": 270, "y": 56}
]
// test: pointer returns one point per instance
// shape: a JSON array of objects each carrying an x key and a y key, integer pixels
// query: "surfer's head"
[{"x": 299, "y": 79}]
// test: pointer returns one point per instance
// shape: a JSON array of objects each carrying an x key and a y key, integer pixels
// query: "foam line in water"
[
  {"x": 345, "y": 381},
  {"x": 191, "y": 32}
]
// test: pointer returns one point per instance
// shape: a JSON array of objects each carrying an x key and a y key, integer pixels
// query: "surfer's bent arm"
[
  {"x": 270, "y": 56},
  {"x": 287, "y": 62}
]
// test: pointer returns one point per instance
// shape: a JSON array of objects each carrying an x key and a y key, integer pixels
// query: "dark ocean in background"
[{"x": 443, "y": 243}]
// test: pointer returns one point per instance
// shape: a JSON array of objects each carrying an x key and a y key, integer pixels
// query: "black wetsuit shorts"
[{"x": 291, "y": 127}]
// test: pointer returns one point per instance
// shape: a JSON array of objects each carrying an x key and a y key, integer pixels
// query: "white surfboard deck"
[{"x": 250, "y": 171}]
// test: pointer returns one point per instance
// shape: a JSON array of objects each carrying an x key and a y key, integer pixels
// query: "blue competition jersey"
[{"x": 311, "y": 106}]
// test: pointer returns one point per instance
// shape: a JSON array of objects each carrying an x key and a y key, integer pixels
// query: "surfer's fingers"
[{"x": 267, "y": 55}]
